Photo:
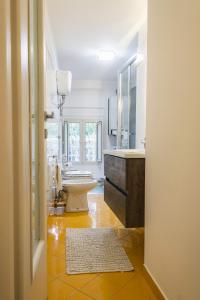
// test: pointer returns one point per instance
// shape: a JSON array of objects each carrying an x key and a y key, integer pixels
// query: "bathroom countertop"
[{"x": 126, "y": 153}]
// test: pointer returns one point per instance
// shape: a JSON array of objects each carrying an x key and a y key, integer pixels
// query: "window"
[
  {"x": 73, "y": 141},
  {"x": 90, "y": 141},
  {"x": 52, "y": 138},
  {"x": 82, "y": 141}
]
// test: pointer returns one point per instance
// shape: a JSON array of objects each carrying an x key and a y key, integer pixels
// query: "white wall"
[
  {"x": 172, "y": 222},
  {"x": 88, "y": 100}
]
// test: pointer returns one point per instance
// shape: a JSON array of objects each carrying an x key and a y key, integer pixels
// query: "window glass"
[
  {"x": 52, "y": 139},
  {"x": 82, "y": 141},
  {"x": 99, "y": 141},
  {"x": 91, "y": 141},
  {"x": 74, "y": 142}
]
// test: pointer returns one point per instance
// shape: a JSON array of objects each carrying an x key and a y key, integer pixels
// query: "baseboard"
[{"x": 155, "y": 282}]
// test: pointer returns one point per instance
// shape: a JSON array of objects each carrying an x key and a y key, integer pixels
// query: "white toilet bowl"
[{"x": 77, "y": 189}]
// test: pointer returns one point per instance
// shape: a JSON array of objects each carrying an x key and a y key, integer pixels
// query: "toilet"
[{"x": 77, "y": 184}]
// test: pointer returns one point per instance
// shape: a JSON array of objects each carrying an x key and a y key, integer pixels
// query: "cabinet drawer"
[
  {"x": 115, "y": 171},
  {"x": 116, "y": 201}
]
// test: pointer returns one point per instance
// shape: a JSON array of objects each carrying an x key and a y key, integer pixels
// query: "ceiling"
[{"x": 81, "y": 27}]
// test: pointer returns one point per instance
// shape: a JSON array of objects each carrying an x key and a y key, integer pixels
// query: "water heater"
[{"x": 64, "y": 82}]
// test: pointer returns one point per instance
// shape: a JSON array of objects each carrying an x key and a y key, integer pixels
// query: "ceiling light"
[{"x": 106, "y": 55}]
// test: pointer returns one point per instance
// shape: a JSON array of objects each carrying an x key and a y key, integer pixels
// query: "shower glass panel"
[
  {"x": 127, "y": 106},
  {"x": 132, "y": 112},
  {"x": 125, "y": 109}
]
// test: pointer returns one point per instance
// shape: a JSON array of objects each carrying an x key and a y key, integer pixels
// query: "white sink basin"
[{"x": 126, "y": 153}]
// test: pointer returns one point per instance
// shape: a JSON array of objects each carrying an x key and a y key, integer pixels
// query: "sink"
[{"x": 126, "y": 153}]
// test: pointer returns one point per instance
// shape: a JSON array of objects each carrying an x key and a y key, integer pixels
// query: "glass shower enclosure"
[{"x": 127, "y": 94}]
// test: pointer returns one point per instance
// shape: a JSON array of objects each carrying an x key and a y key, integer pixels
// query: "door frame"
[
  {"x": 30, "y": 273},
  {"x": 7, "y": 284}
]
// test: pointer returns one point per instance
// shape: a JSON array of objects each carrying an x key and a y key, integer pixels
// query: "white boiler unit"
[{"x": 64, "y": 82}]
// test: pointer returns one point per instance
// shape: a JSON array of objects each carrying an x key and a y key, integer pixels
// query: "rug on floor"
[{"x": 93, "y": 250}]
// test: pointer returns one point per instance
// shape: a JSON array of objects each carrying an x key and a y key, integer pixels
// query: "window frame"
[{"x": 82, "y": 140}]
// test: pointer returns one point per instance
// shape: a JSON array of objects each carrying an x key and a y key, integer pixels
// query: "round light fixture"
[{"x": 106, "y": 55}]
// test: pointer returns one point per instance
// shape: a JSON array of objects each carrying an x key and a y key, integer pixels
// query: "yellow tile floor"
[{"x": 135, "y": 285}]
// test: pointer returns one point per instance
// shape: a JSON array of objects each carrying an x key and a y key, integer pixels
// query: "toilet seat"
[{"x": 77, "y": 174}]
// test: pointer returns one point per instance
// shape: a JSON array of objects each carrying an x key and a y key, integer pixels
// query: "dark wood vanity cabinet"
[{"x": 124, "y": 188}]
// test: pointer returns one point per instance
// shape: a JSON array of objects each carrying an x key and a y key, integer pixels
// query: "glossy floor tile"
[{"x": 134, "y": 285}]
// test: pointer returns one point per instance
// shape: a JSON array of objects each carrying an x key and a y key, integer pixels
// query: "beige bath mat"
[{"x": 92, "y": 250}]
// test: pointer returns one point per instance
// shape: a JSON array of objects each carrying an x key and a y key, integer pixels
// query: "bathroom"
[
  {"x": 96, "y": 112},
  {"x": 104, "y": 95},
  {"x": 100, "y": 165}
]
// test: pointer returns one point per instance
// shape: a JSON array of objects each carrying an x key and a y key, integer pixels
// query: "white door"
[
  {"x": 30, "y": 206},
  {"x": 6, "y": 159}
]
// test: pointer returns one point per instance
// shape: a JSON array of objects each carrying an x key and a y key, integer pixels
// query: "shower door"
[
  {"x": 132, "y": 106},
  {"x": 127, "y": 106}
]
